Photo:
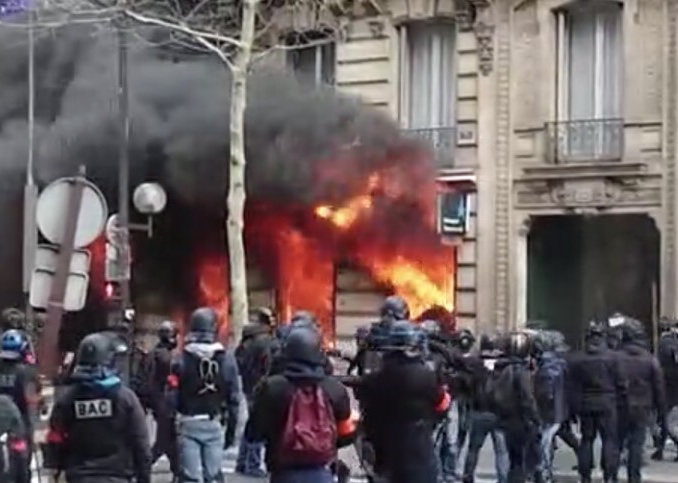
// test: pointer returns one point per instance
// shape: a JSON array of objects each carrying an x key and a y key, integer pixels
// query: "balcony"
[
  {"x": 442, "y": 141},
  {"x": 585, "y": 141}
]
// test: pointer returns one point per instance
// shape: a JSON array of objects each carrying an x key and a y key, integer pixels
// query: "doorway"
[{"x": 582, "y": 268}]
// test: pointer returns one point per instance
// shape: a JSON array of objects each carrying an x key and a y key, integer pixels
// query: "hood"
[
  {"x": 95, "y": 378},
  {"x": 251, "y": 331},
  {"x": 304, "y": 370},
  {"x": 204, "y": 350}
]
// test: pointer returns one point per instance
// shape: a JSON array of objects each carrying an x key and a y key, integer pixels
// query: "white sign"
[
  {"x": 47, "y": 258},
  {"x": 93, "y": 409},
  {"x": 41, "y": 289},
  {"x": 52, "y": 211}
]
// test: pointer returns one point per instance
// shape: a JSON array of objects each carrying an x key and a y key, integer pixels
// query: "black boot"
[{"x": 658, "y": 455}]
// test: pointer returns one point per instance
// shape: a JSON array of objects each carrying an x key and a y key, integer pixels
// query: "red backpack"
[{"x": 309, "y": 436}]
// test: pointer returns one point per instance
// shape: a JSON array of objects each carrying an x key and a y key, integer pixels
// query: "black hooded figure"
[
  {"x": 161, "y": 356},
  {"x": 645, "y": 396},
  {"x": 598, "y": 388}
]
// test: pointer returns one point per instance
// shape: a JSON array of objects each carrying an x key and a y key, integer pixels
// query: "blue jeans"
[
  {"x": 316, "y": 475},
  {"x": 201, "y": 448},
  {"x": 446, "y": 447},
  {"x": 547, "y": 436},
  {"x": 249, "y": 452},
  {"x": 482, "y": 425}
]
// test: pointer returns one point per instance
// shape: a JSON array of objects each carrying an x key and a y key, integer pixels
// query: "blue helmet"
[{"x": 14, "y": 344}]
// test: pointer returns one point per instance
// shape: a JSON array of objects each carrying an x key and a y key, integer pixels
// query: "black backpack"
[{"x": 500, "y": 390}]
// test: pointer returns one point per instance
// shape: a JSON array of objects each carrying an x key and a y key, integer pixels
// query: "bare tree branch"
[{"x": 179, "y": 26}]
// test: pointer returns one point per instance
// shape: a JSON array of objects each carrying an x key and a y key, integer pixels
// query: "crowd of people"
[{"x": 426, "y": 396}]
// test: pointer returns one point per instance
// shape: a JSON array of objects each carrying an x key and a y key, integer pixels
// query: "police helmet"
[
  {"x": 632, "y": 330},
  {"x": 362, "y": 333},
  {"x": 96, "y": 354},
  {"x": 265, "y": 316},
  {"x": 203, "y": 324},
  {"x": 14, "y": 344},
  {"x": 595, "y": 329},
  {"x": 302, "y": 344},
  {"x": 394, "y": 308},
  {"x": 430, "y": 327},
  {"x": 167, "y": 333},
  {"x": 465, "y": 339},
  {"x": 519, "y": 345},
  {"x": 487, "y": 344}
]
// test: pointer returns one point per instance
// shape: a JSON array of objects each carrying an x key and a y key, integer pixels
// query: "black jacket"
[
  {"x": 645, "y": 380},
  {"x": 98, "y": 429},
  {"x": 596, "y": 379},
  {"x": 254, "y": 356},
  {"x": 523, "y": 409},
  {"x": 401, "y": 404},
  {"x": 272, "y": 400}
]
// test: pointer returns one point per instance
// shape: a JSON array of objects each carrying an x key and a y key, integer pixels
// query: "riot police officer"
[
  {"x": 97, "y": 430},
  {"x": 204, "y": 382},
  {"x": 19, "y": 380}
]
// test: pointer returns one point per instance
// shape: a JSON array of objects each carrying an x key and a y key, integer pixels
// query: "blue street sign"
[{"x": 12, "y": 7}]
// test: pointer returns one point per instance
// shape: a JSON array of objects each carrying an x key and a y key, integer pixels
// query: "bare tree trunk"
[{"x": 236, "y": 188}]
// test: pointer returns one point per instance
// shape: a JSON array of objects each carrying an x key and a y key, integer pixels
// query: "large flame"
[{"x": 385, "y": 226}]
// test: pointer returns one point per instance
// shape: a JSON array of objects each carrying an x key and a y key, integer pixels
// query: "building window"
[
  {"x": 314, "y": 63},
  {"x": 590, "y": 79},
  {"x": 428, "y": 75}
]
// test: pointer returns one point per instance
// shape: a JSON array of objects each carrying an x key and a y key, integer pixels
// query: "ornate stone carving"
[
  {"x": 589, "y": 194},
  {"x": 473, "y": 15},
  {"x": 485, "y": 40},
  {"x": 376, "y": 27}
]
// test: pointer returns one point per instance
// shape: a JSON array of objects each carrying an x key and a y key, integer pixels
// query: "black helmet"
[
  {"x": 96, "y": 351},
  {"x": 302, "y": 344},
  {"x": 595, "y": 329},
  {"x": 465, "y": 339},
  {"x": 519, "y": 345},
  {"x": 632, "y": 330},
  {"x": 203, "y": 323},
  {"x": 264, "y": 316},
  {"x": 167, "y": 333},
  {"x": 394, "y": 308}
]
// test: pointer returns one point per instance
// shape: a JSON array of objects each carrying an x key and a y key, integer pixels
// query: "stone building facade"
[{"x": 536, "y": 108}]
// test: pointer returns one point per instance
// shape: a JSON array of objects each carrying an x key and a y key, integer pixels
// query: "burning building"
[{"x": 341, "y": 207}]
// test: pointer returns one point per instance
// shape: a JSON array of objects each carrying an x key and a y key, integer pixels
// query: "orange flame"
[{"x": 213, "y": 284}]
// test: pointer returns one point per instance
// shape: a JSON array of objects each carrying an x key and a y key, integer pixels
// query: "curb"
[{"x": 572, "y": 477}]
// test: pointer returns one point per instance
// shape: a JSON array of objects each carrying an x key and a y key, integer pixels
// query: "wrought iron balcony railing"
[
  {"x": 442, "y": 141},
  {"x": 586, "y": 140}
]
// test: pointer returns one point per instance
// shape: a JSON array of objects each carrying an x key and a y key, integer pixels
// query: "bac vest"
[
  {"x": 12, "y": 384},
  {"x": 202, "y": 390},
  {"x": 95, "y": 425}
]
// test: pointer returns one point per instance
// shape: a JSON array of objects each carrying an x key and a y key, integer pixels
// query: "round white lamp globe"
[{"x": 149, "y": 198}]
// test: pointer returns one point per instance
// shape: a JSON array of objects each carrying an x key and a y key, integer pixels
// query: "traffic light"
[{"x": 112, "y": 291}]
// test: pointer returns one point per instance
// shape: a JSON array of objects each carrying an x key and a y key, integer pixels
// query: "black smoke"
[{"x": 303, "y": 144}]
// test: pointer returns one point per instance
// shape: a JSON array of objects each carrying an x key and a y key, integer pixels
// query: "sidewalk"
[{"x": 654, "y": 472}]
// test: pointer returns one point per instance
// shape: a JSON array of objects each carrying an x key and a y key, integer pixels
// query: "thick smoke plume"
[{"x": 305, "y": 145}]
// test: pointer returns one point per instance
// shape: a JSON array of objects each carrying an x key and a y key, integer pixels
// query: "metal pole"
[
  {"x": 30, "y": 235},
  {"x": 123, "y": 159}
]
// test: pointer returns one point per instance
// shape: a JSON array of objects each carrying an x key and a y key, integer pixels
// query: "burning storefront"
[{"x": 341, "y": 207}]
